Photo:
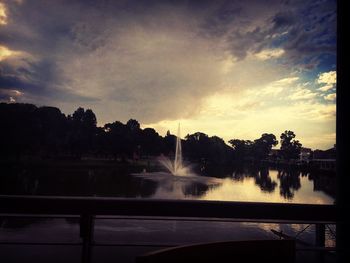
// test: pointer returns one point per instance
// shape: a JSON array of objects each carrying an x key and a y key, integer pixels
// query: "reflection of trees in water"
[
  {"x": 124, "y": 186},
  {"x": 238, "y": 175},
  {"x": 324, "y": 182},
  {"x": 16, "y": 180},
  {"x": 219, "y": 171},
  {"x": 264, "y": 181},
  {"x": 197, "y": 189},
  {"x": 304, "y": 173},
  {"x": 241, "y": 172},
  {"x": 73, "y": 180},
  {"x": 260, "y": 174},
  {"x": 289, "y": 182}
]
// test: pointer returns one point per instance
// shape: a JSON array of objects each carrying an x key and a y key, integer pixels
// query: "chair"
[{"x": 231, "y": 251}]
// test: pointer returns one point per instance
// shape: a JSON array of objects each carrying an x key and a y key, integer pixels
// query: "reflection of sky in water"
[{"x": 245, "y": 189}]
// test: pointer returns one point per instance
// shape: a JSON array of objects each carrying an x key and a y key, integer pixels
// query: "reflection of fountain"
[{"x": 177, "y": 167}]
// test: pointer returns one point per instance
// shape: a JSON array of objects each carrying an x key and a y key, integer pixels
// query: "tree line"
[{"x": 45, "y": 132}]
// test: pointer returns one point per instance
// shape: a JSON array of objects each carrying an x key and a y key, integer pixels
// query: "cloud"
[
  {"x": 11, "y": 92},
  {"x": 235, "y": 27},
  {"x": 269, "y": 54},
  {"x": 311, "y": 28},
  {"x": 284, "y": 19},
  {"x": 326, "y": 87},
  {"x": 328, "y": 77},
  {"x": 273, "y": 88},
  {"x": 148, "y": 73},
  {"x": 315, "y": 111},
  {"x": 230, "y": 103},
  {"x": 285, "y": 81},
  {"x": 144, "y": 66},
  {"x": 330, "y": 97},
  {"x": 302, "y": 29},
  {"x": 10, "y": 95},
  {"x": 302, "y": 94},
  {"x": 3, "y": 14},
  {"x": 6, "y": 53},
  {"x": 327, "y": 80},
  {"x": 16, "y": 64}
]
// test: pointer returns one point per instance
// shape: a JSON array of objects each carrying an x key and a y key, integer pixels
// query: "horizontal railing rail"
[
  {"x": 89, "y": 208},
  {"x": 312, "y": 213}
]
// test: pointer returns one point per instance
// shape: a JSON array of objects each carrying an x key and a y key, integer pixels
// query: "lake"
[{"x": 110, "y": 179}]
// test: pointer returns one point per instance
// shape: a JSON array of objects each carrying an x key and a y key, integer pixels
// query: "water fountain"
[
  {"x": 176, "y": 167},
  {"x": 178, "y": 177}
]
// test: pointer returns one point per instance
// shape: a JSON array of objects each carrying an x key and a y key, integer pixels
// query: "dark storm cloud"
[
  {"x": 284, "y": 20},
  {"x": 303, "y": 28},
  {"x": 36, "y": 93},
  {"x": 151, "y": 59},
  {"x": 311, "y": 30}
]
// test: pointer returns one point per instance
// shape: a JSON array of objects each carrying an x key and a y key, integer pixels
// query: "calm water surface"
[
  {"x": 277, "y": 187},
  {"x": 244, "y": 184}
]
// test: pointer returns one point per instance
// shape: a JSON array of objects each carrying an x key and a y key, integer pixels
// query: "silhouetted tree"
[
  {"x": 133, "y": 125},
  {"x": 133, "y": 136},
  {"x": 169, "y": 143},
  {"x": 82, "y": 131},
  {"x": 197, "y": 145},
  {"x": 19, "y": 129},
  {"x": 242, "y": 149},
  {"x": 290, "y": 148},
  {"x": 52, "y": 131},
  {"x": 208, "y": 150},
  {"x": 262, "y": 146},
  {"x": 150, "y": 142},
  {"x": 115, "y": 139},
  {"x": 219, "y": 151},
  {"x": 45, "y": 131}
]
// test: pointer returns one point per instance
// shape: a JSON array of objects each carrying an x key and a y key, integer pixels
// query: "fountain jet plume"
[
  {"x": 178, "y": 152},
  {"x": 177, "y": 167}
]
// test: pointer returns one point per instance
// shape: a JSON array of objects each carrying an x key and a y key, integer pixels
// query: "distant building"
[
  {"x": 324, "y": 160},
  {"x": 305, "y": 154},
  {"x": 327, "y": 154},
  {"x": 324, "y": 164}
]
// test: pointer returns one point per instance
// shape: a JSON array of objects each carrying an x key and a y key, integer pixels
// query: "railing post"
[
  {"x": 320, "y": 239},
  {"x": 87, "y": 234}
]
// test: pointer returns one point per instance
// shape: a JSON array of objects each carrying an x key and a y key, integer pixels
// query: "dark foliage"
[{"x": 45, "y": 132}]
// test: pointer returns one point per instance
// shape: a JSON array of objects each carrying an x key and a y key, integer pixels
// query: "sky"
[{"x": 235, "y": 69}]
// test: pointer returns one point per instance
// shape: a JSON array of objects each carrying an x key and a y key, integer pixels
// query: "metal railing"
[{"x": 89, "y": 207}]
